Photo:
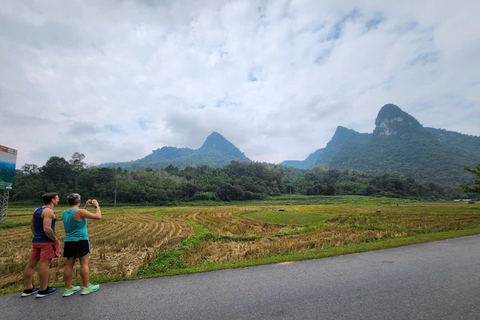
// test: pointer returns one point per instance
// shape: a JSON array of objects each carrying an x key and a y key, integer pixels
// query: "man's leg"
[
  {"x": 84, "y": 270},
  {"x": 43, "y": 273},
  {"x": 28, "y": 274},
  {"x": 68, "y": 272}
]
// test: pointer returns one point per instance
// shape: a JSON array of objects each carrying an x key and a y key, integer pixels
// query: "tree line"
[{"x": 235, "y": 181}]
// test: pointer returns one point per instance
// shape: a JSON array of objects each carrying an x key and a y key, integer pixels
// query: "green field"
[{"x": 137, "y": 242}]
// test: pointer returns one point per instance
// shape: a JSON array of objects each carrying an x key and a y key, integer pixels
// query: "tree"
[
  {"x": 329, "y": 190},
  {"x": 57, "y": 169},
  {"x": 468, "y": 187},
  {"x": 77, "y": 161},
  {"x": 228, "y": 192},
  {"x": 30, "y": 168}
]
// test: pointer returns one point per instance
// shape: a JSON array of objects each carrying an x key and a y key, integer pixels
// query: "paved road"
[{"x": 438, "y": 280}]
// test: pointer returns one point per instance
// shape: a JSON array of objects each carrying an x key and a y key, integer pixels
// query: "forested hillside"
[
  {"x": 399, "y": 144},
  {"x": 400, "y": 158},
  {"x": 235, "y": 181},
  {"x": 216, "y": 151}
]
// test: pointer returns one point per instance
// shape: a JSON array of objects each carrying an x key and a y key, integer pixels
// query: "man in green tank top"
[{"x": 77, "y": 244}]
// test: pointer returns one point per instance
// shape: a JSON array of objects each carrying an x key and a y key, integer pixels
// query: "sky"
[{"x": 115, "y": 80}]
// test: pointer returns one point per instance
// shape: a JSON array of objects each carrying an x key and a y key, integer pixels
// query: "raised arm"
[{"x": 84, "y": 213}]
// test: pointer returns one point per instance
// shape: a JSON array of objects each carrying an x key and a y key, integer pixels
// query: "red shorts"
[{"x": 45, "y": 250}]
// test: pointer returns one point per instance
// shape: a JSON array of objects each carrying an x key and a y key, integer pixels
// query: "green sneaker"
[
  {"x": 91, "y": 288},
  {"x": 69, "y": 292}
]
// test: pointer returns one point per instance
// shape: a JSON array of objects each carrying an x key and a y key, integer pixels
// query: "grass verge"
[
  {"x": 327, "y": 252},
  {"x": 170, "y": 259},
  {"x": 8, "y": 224}
]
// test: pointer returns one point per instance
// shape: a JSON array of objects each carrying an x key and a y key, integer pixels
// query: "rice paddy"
[
  {"x": 121, "y": 243},
  {"x": 131, "y": 239}
]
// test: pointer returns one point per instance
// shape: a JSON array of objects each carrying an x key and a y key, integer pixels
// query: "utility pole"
[{"x": 290, "y": 198}]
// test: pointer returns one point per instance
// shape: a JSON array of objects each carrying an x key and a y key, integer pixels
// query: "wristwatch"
[{"x": 97, "y": 207}]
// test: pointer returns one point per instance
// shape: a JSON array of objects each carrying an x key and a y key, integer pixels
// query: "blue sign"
[{"x": 8, "y": 159}]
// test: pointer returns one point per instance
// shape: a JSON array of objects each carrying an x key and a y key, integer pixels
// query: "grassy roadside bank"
[{"x": 329, "y": 252}]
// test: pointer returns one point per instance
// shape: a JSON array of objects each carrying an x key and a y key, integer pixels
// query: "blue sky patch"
[
  {"x": 113, "y": 128},
  {"x": 425, "y": 58}
]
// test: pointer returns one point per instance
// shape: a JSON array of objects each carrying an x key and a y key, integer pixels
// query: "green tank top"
[{"x": 74, "y": 230}]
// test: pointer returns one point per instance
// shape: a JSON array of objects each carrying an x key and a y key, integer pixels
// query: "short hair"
[
  {"x": 73, "y": 199},
  {"x": 48, "y": 197}
]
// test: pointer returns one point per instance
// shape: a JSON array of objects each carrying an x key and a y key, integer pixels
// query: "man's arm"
[
  {"x": 48, "y": 216},
  {"x": 32, "y": 226}
]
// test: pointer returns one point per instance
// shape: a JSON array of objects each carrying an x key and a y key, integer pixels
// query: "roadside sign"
[{"x": 8, "y": 160}]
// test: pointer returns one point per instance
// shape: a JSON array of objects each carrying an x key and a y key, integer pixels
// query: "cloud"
[
  {"x": 274, "y": 77},
  {"x": 84, "y": 129}
]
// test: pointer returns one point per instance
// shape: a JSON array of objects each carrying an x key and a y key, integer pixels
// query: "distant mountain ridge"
[
  {"x": 216, "y": 151},
  {"x": 399, "y": 144}
]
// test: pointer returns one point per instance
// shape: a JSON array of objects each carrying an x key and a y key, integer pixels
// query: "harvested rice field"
[{"x": 132, "y": 242}]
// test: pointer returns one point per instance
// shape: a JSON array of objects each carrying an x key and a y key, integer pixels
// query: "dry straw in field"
[
  {"x": 229, "y": 223},
  {"x": 120, "y": 245},
  {"x": 228, "y": 250}
]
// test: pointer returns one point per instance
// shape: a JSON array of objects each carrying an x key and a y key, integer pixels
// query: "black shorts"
[{"x": 76, "y": 249}]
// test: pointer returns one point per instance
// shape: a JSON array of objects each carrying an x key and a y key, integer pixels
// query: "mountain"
[
  {"x": 215, "y": 152},
  {"x": 399, "y": 144}
]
